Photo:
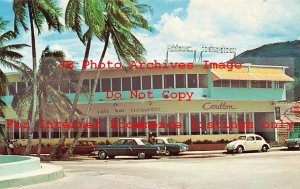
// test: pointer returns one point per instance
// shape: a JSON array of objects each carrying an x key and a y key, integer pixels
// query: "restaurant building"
[{"x": 203, "y": 101}]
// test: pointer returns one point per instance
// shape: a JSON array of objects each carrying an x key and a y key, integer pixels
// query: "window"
[
  {"x": 105, "y": 84},
  {"x": 72, "y": 86},
  {"x": 258, "y": 138},
  {"x": 180, "y": 81},
  {"x": 126, "y": 84},
  {"x": 250, "y": 138},
  {"x": 159, "y": 141},
  {"x": 116, "y": 84},
  {"x": 157, "y": 82},
  {"x": 146, "y": 82},
  {"x": 98, "y": 86},
  {"x": 269, "y": 84},
  {"x": 64, "y": 86},
  {"x": 169, "y": 81},
  {"x": 85, "y": 85},
  {"x": 225, "y": 83},
  {"x": 21, "y": 86},
  {"x": 136, "y": 83},
  {"x": 235, "y": 84},
  {"x": 192, "y": 80},
  {"x": 12, "y": 88},
  {"x": 217, "y": 83},
  {"x": 262, "y": 84},
  {"x": 202, "y": 81},
  {"x": 254, "y": 84},
  {"x": 243, "y": 84}
]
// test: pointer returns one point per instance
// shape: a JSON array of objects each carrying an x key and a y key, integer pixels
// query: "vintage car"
[
  {"x": 248, "y": 142},
  {"x": 82, "y": 147},
  {"x": 172, "y": 147},
  {"x": 294, "y": 138},
  {"x": 292, "y": 143},
  {"x": 129, "y": 147}
]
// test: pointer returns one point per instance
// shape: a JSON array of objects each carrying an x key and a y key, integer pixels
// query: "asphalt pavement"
[{"x": 274, "y": 169}]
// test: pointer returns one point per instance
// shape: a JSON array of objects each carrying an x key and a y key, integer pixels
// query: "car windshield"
[
  {"x": 171, "y": 140},
  {"x": 242, "y": 138}
]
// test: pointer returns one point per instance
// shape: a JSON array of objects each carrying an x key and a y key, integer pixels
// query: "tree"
[
  {"x": 50, "y": 97},
  {"x": 119, "y": 18},
  {"x": 9, "y": 58},
  {"x": 38, "y": 11}
]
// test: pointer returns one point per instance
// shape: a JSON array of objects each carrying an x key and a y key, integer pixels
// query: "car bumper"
[
  {"x": 292, "y": 145},
  {"x": 160, "y": 152},
  {"x": 184, "y": 149}
]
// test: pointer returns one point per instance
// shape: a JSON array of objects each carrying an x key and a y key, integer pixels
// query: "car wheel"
[
  {"x": 111, "y": 157},
  {"x": 102, "y": 155},
  {"x": 168, "y": 153},
  {"x": 141, "y": 155},
  {"x": 239, "y": 149},
  {"x": 264, "y": 148}
]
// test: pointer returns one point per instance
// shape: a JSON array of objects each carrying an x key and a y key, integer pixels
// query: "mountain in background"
[{"x": 278, "y": 54}]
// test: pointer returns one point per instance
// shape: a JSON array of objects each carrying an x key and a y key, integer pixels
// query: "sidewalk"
[{"x": 222, "y": 151}]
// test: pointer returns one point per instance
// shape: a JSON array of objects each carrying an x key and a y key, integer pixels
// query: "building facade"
[{"x": 173, "y": 102}]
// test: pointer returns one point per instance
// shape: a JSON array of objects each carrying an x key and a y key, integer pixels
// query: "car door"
[
  {"x": 260, "y": 142},
  {"x": 131, "y": 147},
  {"x": 118, "y": 148},
  {"x": 250, "y": 143}
]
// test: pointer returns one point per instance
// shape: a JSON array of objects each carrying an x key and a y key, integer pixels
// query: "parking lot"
[{"x": 275, "y": 169}]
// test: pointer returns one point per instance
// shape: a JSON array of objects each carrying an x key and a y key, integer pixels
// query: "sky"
[{"x": 240, "y": 24}]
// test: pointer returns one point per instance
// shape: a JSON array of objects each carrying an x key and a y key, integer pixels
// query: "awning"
[{"x": 228, "y": 75}]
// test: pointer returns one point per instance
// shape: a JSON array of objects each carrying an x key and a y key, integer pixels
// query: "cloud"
[{"x": 233, "y": 23}]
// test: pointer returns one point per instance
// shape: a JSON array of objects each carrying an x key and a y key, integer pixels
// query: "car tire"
[
  {"x": 168, "y": 153},
  {"x": 239, "y": 149},
  {"x": 111, "y": 157},
  {"x": 102, "y": 155},
  {"x": 264, "y": 148},
  {"x": 141, "y": 155}
]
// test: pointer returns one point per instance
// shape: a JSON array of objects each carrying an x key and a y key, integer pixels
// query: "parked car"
[
  {"x": 129, "y": 147},
  {"x": 294, "y": 138},
  {"x": 82, "y": 147},
  {"x": 292, "y": 143},
  {"x": 172, "y": 147},
  {"x": 248, "y": 142}
]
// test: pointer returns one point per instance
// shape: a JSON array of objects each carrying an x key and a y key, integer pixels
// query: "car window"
[
  {"x": 120, "y": 141},
  {"x": 130, "y": 142},
  {"x": 250, "y": 138},
  {"x": 159, "y": 141},
  {"x": 242, "y": 138},
  {"x": 258, "y": 138},
  {"x": 171, "y": 140},
  {"x": 144, "y": 141}
]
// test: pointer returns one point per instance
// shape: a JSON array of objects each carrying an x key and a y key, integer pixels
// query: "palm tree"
[
  {"x": 50, "y": 98},
  {"x": 8, "y": 58},
  {"x": 118, "y": 19},
  {"x": 38, "y": 11}
]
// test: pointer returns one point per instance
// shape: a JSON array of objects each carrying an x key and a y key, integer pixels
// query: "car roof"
[
  {"x": 250, "y": 135},
  {"x": 131, "y": 138}
]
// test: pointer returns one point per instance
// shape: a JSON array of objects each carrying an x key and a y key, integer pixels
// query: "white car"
[{"x": 248, "y": 142}]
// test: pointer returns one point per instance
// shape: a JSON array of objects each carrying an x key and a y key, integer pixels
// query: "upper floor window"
[
  {"x": 146, "y": 82},
  {"x": 180, "y": 81},
  {"x": 126, "y": 84},
  {"x": 136, "y": 83},
  {"x": 106, "y": 84},
  {"x": 12, "y": 88},
  {"x": 169, "y": 81},
  {"x": 116, "y": 84},
  {"x": 192, "y": 80},
  {"x": 157, "y": 81}
]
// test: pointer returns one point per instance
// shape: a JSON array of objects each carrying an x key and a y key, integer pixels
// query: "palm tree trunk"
[
  {"x": 9, "y": 152},
  {"x": 34, "y": 101},
  {"x": 76, "y": 98},
  {"x": 41, "y": 117},
  {"x": 71, "y": 149}
]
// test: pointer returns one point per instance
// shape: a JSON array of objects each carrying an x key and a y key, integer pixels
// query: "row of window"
[
  {"x": 248, "y": 84},
  {"x": 130, "y": 83}
]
